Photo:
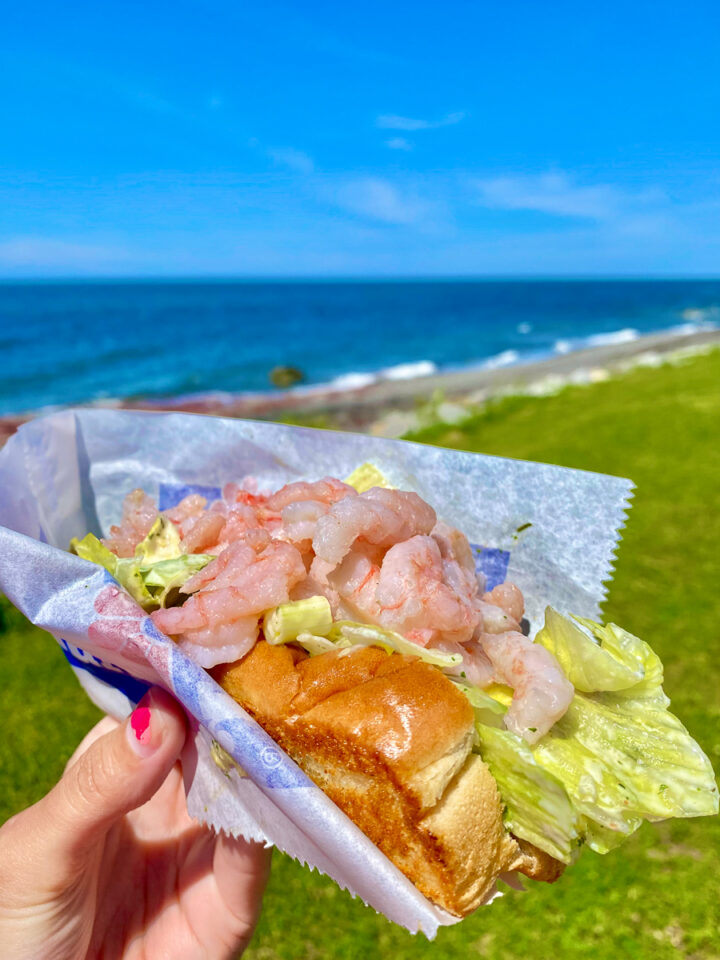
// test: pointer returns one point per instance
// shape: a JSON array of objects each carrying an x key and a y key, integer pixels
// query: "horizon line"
[{"x": 359, "y": 278}]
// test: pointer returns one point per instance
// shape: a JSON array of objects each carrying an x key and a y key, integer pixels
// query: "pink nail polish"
[
  {"x": 140, "y": 721},
  {"x": 142, "y": 731}
]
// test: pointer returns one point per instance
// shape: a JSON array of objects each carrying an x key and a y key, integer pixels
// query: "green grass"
[{"x": 657, "y": 896}]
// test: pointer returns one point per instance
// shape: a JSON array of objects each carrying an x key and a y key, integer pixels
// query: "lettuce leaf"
[
  {"x": 618, "y": 754},
  {"x": 487, "y": 709},
  {"x": 284, "y": 623},
  {"x": 370, "y": 635},
  {"x": 161, "y": 543},
  {"x": 90, "y": 548},
  {"x": 630, "y": 651},
  {"x": 585, "y": 662},
  {"x": 537, "y": 807},
  {"x": 158, "y": 568},
  {"x": 623, "y": 759},
  {"x": 367, "y": 476},
  {"x": 161, "y": 578}
]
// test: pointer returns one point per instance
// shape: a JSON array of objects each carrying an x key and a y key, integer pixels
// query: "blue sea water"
[{"x": 68, "y": 343}]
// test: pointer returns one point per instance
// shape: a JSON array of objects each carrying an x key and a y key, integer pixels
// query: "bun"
[{"x": 388, "y": 738}]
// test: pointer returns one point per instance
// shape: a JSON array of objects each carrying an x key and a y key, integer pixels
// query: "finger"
[
  {"x": 99, "y": 730},
  {"x": 117, "y": 773},
  {"x": 241, "y": 869}
]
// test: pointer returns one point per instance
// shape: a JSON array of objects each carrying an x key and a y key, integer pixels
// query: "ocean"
[{"x": 67, "y": 343}]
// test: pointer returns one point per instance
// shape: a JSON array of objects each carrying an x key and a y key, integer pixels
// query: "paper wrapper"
[{"x": 551, "y": 530}]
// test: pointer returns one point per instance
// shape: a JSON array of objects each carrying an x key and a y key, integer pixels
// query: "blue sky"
[{"x": 382, "y": 139}]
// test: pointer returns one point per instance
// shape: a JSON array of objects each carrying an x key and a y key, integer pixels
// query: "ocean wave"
[
  {"x": 505, "y": 359},
  {"x": 352, "y": 381},
  {"x": 408, "y": 371},
  {"x": 563, "y": 346},
  {"x": 627, "y": 335},
  {"x": 357, "y": 379},
  {"x": 685, "y": 329}
]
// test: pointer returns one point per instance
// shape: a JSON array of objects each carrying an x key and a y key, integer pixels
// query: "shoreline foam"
[{"x": 359, "y": 400}]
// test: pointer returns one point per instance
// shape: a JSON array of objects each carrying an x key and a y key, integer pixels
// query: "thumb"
[{"x": 117, "y": 773}]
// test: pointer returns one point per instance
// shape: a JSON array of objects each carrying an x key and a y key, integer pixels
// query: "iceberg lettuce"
[
  {"x": 284, "y": 623},
  {"x": 366, "y": 476},
  {"x": 618, "y": 754},
  {"x": 370, "y": 635},
  {"x": 537, "y": 807},
  {"x": 158, "y": 567}
]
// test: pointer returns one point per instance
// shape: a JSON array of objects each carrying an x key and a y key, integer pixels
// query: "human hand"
[{"x": 110, "y": 864}]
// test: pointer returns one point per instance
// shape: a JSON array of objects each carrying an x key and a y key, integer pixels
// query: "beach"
[{"x": 389, "y": 406}]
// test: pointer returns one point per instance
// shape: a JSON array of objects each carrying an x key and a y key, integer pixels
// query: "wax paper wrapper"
[{"x": 551, "y": 530}]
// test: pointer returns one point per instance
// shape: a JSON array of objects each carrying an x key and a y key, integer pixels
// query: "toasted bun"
[{"x": 388, "y": 738}]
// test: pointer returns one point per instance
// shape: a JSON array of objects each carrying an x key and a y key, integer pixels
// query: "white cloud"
[
  {"x": 399, "y": 143},
  {"x": 559, "y": 195},
  {"x": 296, "y": 160},
  {"x": 395, "y": 122},
  {"x": 379, "y": 200}
]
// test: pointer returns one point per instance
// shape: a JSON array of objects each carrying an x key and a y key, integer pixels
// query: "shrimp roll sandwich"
[{"x": 351, "y": 623}]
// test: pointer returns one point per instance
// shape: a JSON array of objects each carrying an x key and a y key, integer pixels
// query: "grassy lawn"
[{"x": 656, "y": 897}]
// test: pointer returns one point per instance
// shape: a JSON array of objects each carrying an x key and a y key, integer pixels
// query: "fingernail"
[{"x": 144, "y": 732}]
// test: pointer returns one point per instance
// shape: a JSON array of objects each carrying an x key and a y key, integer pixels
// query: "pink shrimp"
[
  {"x": 204, "y": 532},
  {"x": 475, "y": 667},
  {"x": 300, "y": 517},
  {"x": 378, "y": 516},
  {"x": 414, "y": 593},
  {"x": 222, "y": 571},
  {"x": 235, "y": 495},
  {"x": 454, "y": 544},
  {"x": 509, "y": 598},
  {"x": 240, "y": 493},
  {"x": 239, "y": 521},
  {"x": 329, "y": 490},
  {"x": 139, "y": 514},
  {"x": 355, "y": 582},
  {"x": 251, "y": 584},
  {"x": 220, "y": 644},
  {"x": 191, "y": 506},
  {"x": 494, "y": 619},
  {"x": 542, "y": 692}
]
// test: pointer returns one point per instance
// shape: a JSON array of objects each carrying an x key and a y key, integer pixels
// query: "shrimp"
[
  {"x": 327, "y": 491},
  {"x": 240, "y": 520},
  {"x": 454, "y": 544},
  {"x": 221, "y": 571},
  {"x": 139, "y": 514},
  {"x": 220, "y": 644},
  {"x": 378, "y": 516},
  {"x": 204, "y": 532},
  {"x": 509, "y": 598},
  {"x": 542, "y": 692},
  {"x": 494, "y": 619},
  {"x": 191, "y": 506},
  {"x": 355, "y": 583},
  {"x": 235, "y": 496},
  {"x": 475, "y": 667},
  {"x": 414, "y": 593},
  {"x": 300, "y": 517},
  {"x": 249, "y": 584}
]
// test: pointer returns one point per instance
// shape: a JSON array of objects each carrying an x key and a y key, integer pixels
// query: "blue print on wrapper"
[
  {"x": 492, "y": 563},
  {"x": 270, "y": 765},
  {"x": 266, "y": 764},
  {"x": 170, "y": 494},
  {"x": 133, "y": 689}
]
